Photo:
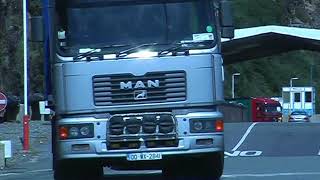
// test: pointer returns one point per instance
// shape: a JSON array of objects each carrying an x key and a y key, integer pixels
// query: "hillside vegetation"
[{"x": 266, "y": 76}]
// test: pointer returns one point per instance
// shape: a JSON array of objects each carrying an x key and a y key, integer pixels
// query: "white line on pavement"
[
  {"x": 40, "y": 170},
  {"x": 270, "y": 174},
  {"x": 8, "y": 174},
  {"x": 244, "y": 137},
  {"x": 27, "y": 172},
  {"x": 319, "y": 153}
]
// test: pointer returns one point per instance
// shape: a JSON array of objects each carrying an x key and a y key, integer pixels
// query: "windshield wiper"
[
  {"x": 88, "y": 54},
  {"x": 134, "y": 49},
  {"x": 184, "y": 45},
  {"x": 173, "y": 49}
]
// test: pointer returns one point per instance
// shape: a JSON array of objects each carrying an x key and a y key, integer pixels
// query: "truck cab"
[
  {"x": 266, "y": 110},
  {"x": 136, "y": 85},
  {"x": 259, "y": 109}
]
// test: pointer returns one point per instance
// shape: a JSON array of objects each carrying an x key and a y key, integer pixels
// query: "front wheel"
[
  {"x": 204, "y": 167},
  {"x": 77, "y": 170}
]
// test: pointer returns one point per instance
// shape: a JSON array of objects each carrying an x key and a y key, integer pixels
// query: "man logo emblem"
[
  {"x": 140, "y": 94},
  {"x": 139, "y": 84}
]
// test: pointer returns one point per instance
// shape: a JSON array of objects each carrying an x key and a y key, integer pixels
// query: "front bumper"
[
  {"x": 97, "y": 147},
  {"x": 299, "y": 120}
]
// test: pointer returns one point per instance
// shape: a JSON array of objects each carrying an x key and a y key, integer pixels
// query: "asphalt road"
[{"x": 254, "y": 151}]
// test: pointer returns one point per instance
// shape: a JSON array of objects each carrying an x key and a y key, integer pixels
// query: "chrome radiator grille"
[
  {"x": 149, "y": 88},
  {"x": 130, "y": 131},
  {"x": 145, "y": 124}
]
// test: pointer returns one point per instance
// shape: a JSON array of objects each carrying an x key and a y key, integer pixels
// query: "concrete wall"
[
  {"x": 233, "y": 113},
  {"x": 315, "y": 118}
]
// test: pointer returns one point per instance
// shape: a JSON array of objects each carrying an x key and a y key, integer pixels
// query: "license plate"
[{"x": 144, "y": 156}]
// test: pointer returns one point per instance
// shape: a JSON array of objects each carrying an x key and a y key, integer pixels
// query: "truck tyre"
[
  {"x": 204, "y": 167},
  {"x": 68, "y": 170}
]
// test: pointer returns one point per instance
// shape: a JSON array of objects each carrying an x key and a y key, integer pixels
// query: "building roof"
[{"x": 257, "y": 42}]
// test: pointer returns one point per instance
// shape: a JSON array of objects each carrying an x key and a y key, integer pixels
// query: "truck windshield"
[
  {"x": 273, "y": 108},
  {"x": 133, "y": 24}
]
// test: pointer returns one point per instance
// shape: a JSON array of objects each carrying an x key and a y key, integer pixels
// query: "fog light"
[
  {"x": 204, "y": 141},
  {"x": 151, "y": 144},
  {"x": 171, "y": 143},
  {"x": 133, "y": 145},
  {"x": 133, "y": 125},
  {"x": 166, "y": 124},
  {"x": 115, "y": 145},
  {"x": 149, "y": 124},
  {"x": 116, "y": 125},
  {"x": 80, "y": 147}
]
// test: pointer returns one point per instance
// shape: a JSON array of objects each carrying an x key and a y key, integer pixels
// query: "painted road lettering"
[{"x": 251, "y": 153}]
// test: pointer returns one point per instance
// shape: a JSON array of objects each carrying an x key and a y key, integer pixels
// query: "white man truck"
[{"x": 135, "y": 85}]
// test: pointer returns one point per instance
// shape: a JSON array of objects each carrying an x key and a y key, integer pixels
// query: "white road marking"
[
  {"x": 244, "y": 137},
  {"x": 251, "y": 153},
  {"x": 8, "y": 174},
  {"x": 269, "y": 174},
  {"x": 40, "y": 170},
  {"x": 319, "y": 153},
  {"x": 27, "y": 172}
]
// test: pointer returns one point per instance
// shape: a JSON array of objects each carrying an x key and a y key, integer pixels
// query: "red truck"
[{"x": 260, "y": 109}]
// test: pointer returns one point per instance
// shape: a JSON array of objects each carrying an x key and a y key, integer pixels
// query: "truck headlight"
[
  {"x": 76, "y": 131},
  {"x": 73, "y": 131},
  {"x": 205, "y": 126},
  {"x": 197, "y": 125},
  {"x": 85, "y": 131}
]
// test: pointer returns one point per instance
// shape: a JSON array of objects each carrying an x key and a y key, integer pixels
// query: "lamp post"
[
  {"x": 26, "y": 117},
  {"x": 295, "y": 78},
  {"x": 233, "y": 75},
  {"x": 313, "y": 69}
]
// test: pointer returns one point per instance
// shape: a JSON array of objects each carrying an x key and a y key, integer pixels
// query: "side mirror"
[
  {"x": 226, "y": 19},
  {"x": 36, "y": 29}
]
